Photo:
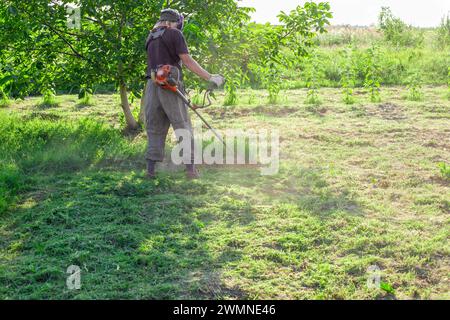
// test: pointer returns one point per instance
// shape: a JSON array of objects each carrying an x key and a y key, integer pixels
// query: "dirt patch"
[
  {"x": 387, "y": 111},
  {"x": 275, "y": 111},
  {"x": 211, "y": 286}
]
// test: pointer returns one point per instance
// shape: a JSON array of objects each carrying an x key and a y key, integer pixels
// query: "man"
[{"x": 166, "y": 45}]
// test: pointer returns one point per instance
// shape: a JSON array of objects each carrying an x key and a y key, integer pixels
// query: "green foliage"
[
  {"x": 48, "y": 98},
  {"x": 271, "y": 82},
  {"x": 396, "y": 31},
  {"x": 233, "y": 81},
  {"x": 387, "y": 287},
  {"x": 372, "y": 74},
  {"x": 4, "y": 99},
  {"x": 36, "y": 145},
  {"x": 85, "y": 96},
  {"x": 196, "y": 97},
  {"x": 297, "y": 33},
  {"x": 445, "y": 170},
  {"x": 414, "y": 86},
  {"x": 443, "y": 32},
  {"x": 86, "y": 100},
  {"x": 348, "y": 79},
  {"x": 313, "y": 74},
  {"x": 108, "y": 48}
]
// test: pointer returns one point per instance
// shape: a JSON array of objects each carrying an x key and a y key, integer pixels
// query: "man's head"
[{"x": 172, "y": 16}]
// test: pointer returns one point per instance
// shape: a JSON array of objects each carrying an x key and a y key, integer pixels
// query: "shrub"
[
  {"x": 231, "y": 86},
  {"x": 372, "y": 74},
  {"x": 235, "y": 78},
  {"x": 414, "y": 86}
]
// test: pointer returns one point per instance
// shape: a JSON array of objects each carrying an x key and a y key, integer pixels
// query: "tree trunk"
[
  {"x": 142, "y": 111},
  {"x": 129, "y": 119}
]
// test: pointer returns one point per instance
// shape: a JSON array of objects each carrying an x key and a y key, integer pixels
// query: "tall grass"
[
  {"x": 443, "y": 32},
  {"x": 37, "y": 146},
  {"x": 4, "y": 99}
]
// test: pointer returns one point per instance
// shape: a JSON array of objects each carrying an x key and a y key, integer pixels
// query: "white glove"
[{"x": 217, "y": 79}]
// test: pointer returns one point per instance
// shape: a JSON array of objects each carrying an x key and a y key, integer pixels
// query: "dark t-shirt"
[{"x": 166, "y": 49}]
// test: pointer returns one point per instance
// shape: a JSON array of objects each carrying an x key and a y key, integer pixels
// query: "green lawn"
[{"x": 358, "y": 186}]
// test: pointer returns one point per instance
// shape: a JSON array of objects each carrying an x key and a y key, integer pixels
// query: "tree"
[
  {"x": 109, "y": 46},
  {"x": 44, "y": 51},
  {"x": 297, "y": 33},
  {"x": 396, "y": 31}
]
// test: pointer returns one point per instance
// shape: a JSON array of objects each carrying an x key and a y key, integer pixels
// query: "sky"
[{"x": 359, "y": 12}]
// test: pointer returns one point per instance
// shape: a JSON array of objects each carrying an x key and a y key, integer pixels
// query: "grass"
[{"x": 358, "y": 186}]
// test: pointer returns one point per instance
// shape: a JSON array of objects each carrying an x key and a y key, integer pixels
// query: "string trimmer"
[{"x": 164, "y": 79}]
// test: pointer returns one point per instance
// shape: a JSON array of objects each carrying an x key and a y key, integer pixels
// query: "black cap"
[{"x": 169, "y": 15}]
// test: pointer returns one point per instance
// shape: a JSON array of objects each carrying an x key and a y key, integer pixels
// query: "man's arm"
[{"x": 193, "y": 65}]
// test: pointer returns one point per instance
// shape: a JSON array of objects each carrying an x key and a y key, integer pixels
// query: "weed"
[{"x": 445, "y": 170}]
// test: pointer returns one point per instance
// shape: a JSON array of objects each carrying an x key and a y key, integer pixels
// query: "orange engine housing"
[{"x": 164, "y": 78}]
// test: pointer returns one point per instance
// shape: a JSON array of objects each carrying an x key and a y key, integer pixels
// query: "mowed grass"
[{"x": 358, "y": 186}]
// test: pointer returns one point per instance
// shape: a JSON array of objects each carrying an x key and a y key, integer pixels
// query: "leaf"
[
  {"x": 5, "y": 80},
  {"x": 387, "y": 287}
]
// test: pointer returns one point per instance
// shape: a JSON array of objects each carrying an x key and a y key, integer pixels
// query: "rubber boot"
[
  {"x": 151, "y": 174},
  {"x": 192, "y": 172}
]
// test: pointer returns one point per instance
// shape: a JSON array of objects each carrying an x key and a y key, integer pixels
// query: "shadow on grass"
[
  {"x": 132, "y": 239},
  {"x": 47, "y": 105}
]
